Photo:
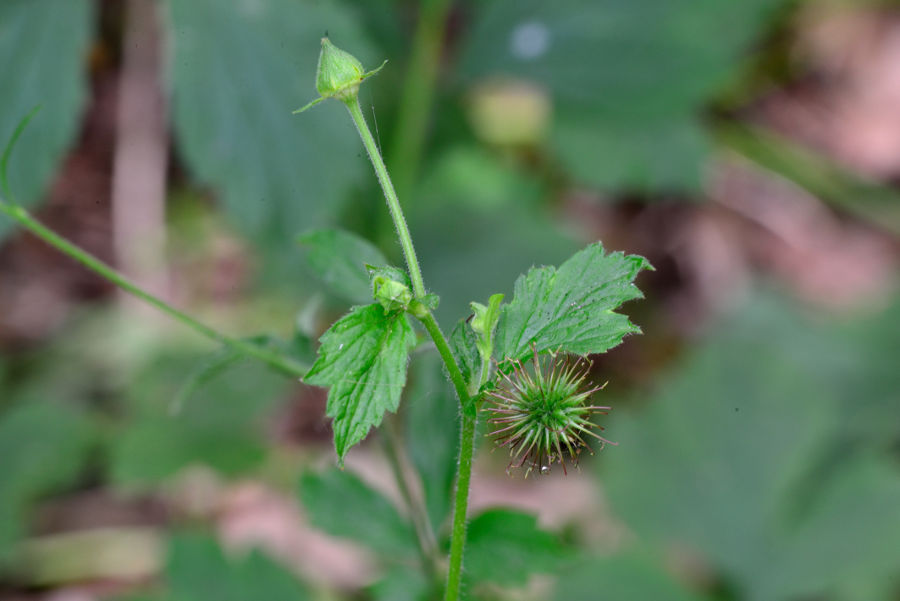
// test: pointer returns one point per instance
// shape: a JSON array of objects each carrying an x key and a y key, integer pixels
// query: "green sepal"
[
  {"x": 484, "y": 322},
  {"x": 338, "y": 75},
  {"x": 391, "y": 288}
]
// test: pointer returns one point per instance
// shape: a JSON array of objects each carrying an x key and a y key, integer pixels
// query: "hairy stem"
[
  {"x": 283, "y": 364},
  {"x": 412, "y": 263},
  {"x": 461, "y": 505},
  {"x": 467, "y": 446}
]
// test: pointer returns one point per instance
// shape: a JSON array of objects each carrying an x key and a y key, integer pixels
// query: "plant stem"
[
  {"x": 463, "y": 483},
  {"x": 467, "y": 446},
  {"x": 412, "y": 263},
  {"x": 461, "y": 505},
  {"x": 283, "y": 364},
  {"x": 418, "y": 92}
]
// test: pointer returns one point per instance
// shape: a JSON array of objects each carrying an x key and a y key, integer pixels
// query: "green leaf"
[
  {"x": 362, "y": 361},
  {"x": 484, "y": 322},
  {"x": 629, "y": 79},
  {"x": 506, "y": 546},
  {"x": 197, "y": 569},
  {"x": 477, "y": 220},
  {"x": 623, "y": 577},
  {"x": 43, "y": 448},
  {"x": 571, "y": 308},
  {"x": 742, "y": 456},
  {"x": 276, "y": 173},
  {"x": 48, "y": 38},
  {"x": 222, "y": 426},
  {"x": 402, "y": 584},
  {"x": 339, "y": 259},
  {"x": 432, "y": 434},
  {"x": 464, "y": 345},
  {"x": 342, "y": 505}
]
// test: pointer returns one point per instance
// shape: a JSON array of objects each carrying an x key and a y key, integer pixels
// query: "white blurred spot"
[{"x": 529, "y": 40}]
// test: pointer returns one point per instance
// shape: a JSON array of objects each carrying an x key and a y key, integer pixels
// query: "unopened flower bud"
[
  {"x": 338, "y": 75},
  {"x": 339, "y": 72}
]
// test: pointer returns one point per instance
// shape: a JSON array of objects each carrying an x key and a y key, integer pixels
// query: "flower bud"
[
  {"x": 390, "y": 287},
  {"x": 339, "y": 72},
  {"x": 338, "y": 75}
]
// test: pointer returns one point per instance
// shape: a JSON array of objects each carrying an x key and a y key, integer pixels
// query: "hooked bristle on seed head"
[{"x": 541, "y": 412}]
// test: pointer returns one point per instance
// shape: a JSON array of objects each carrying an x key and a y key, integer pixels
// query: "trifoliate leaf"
[
  {"x": 342, "y": 505},
  {"x": 362, "y": 361},
  {"x": 571, "y": 308}
]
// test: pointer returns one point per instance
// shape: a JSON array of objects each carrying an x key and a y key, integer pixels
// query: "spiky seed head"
[{"x": 542, "y": 412}]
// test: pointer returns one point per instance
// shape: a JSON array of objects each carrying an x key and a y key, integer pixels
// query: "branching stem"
[{"x": 278, "y": 361}]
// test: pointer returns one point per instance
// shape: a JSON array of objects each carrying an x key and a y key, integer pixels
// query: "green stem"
[
  {"x": 275, "y": 360},
  {"x": 418, "y": 92},
  {"x": 415, "y": 273},
  {"x": 461, "y": 505},
  {"x": 463, "y": 484},
  {"x": 469, "y": 411},
  {"x": 443, "y": 348}
]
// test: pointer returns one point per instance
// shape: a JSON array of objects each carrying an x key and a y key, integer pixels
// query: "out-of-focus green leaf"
[
  {"x": 870, "y": 382},
  {"x": 742, "y": 456},
  {"x": 238, "y": 70},
  {"x": 198, "y": 570},
  {"x": 221, "y": 426},
  {"x": 505, "y": 547},
  {"x": 339, "y": 259},
  {"x": 43, "y": 447},
  {"x": 432, "y": 434},
  {"x": 362, "y": 361},
  {"x": 341, "y": 504},
  {"x": 44, "y": 46},
  {"x": 571, "y": 308},
  {"x": 476, "y": 221},
  {"x": 402, "y": 584},
  {"x": 628, "y": 78},
  {"x": 625, "y": 577}
]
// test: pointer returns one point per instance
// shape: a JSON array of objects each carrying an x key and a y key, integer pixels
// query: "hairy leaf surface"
[
  {"x": 571, "y": 308},
  {"x": 362, "y": 361}
]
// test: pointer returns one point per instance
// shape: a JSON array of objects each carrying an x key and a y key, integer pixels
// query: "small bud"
[
  {"x": 390, "y": 287},
  {"x": 338, "y": 75}
]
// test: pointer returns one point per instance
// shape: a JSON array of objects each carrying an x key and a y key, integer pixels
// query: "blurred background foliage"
[{"x": 751, "y": 150}]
